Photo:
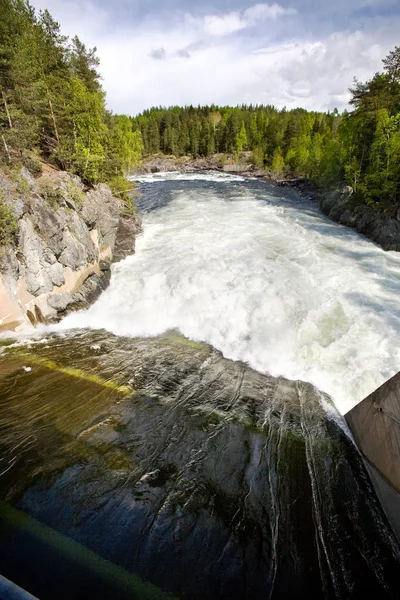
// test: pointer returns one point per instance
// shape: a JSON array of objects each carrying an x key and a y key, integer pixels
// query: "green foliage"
[
  {"x": 125, "y": 191},
  {"x": 52, "y": 102},
  {"x": 257, "y": 157},
  {"x": 21, "y": 184},
  {"x": 8, "y": 223},
  {"x": 277, "y": 164},
  {"x": 241, "y": 139},
  {"x": 51, "y": 99},
  {"x": 74, "y": 192},
  {"x": 53, "y": 194},
  {"x": 361, "y": 148},
  {"x": 32, "y": 165}
]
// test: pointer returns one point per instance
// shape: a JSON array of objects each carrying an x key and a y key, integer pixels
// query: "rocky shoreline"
[
  {"x": 341, "y": 206},
  {"x": 67, "y": 236}
]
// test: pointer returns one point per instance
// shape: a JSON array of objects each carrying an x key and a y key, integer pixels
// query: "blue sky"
[{"x": 289, "y": 53}]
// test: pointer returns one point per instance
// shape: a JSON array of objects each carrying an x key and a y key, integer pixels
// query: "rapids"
[
  {"x": 140, "y": 463},
  {"x": 264, "y": 277}
]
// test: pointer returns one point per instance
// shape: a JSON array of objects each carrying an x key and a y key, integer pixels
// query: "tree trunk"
[
  {"x": 53, "y": 117},
  {"x": 6, "y": 148}
]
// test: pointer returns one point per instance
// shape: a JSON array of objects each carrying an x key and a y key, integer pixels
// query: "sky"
[{"x": 178, "y": 52}]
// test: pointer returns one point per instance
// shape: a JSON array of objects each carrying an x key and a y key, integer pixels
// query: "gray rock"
[
  {"x": 102, "y": 210},
  {"x": 29, "y": 178},
  {"x": 379, "y": 227},
  {"x": 18, "y": 206},
  {"x": 348, "y": 218},
  {"x": 79, "y": 229},
  {"x": 89, "y": 210},
  {"x": 105, "y": 265},
  {"x": 49, "y": 224},
  {"x": 35, "y": 266},
  {"x": 53, "y": 238},
  {"x": 9, "y": 264},
  {"x": 59, "y": 301},
  {"x": 90, "y": 290},
  {"x": 128, "y": 228},
  {"x": 74, "y": 254},
  {"x": 56, "y": 274}
]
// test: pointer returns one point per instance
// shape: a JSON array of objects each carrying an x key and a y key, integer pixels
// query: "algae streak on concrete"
[
  {"x": 375, "y": 424},
  {"x": 67, "y": 238}
]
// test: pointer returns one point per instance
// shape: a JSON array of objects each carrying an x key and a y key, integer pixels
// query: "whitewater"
[{"x": 260, "y": 274}]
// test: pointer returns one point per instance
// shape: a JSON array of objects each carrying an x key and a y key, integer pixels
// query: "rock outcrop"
[
  {"x": 224, "y": 163},
  {"x": 378, "y": 226},
  {"x": 66, "y": 241},
  {"x": 341, "y": 206}
]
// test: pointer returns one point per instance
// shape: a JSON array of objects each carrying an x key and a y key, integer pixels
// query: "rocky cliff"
[{"x": 66, "y": 239}]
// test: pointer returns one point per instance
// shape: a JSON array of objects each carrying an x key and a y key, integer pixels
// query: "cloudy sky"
[{"x": 289, "y": 53}]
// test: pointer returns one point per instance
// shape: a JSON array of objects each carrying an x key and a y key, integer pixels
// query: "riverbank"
[{"x": 341, "y": 205}]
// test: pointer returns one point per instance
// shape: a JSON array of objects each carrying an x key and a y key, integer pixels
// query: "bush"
[
  {"x": 32, "y": 165},
  {"x": 21, "y": 184},
  {"x": 8, "y": 223},
  {"x": 75, "y": 193},
  {"x": 52, "y": 193},
  {"x": 125, "y": 191}
]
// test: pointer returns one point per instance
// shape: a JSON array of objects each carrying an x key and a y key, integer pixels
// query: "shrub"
[
  {"x": 125, "y": 191},
  {"x": 75, "y": 193},
  {"x": 8, "y": 223},
  {"x": 32, "y": 165},
  {"x": 52, "y": 193},
  {"x": 21, "y": 184}
]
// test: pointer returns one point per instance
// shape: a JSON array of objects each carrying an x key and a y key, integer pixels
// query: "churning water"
[{"x": 263, "y": 276}]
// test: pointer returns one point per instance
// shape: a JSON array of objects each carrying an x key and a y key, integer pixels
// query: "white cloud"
[
  {"x": 224, "y": 25},
  {"x": 261, "y": 12},
  {"x": 221, "y": 25},
  {"x": 226, "y": 62}
]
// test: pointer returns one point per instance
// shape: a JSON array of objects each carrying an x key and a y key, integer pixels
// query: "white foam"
[
  {"x": 279, "y": 287},
  {"x": 189, "y": 176}
]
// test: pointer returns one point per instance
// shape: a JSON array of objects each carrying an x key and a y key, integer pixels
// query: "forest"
[
  {"x": 53, "y": 106},
  {"x": 360, "y": 147},
  {"x": 52, "y": 102}
]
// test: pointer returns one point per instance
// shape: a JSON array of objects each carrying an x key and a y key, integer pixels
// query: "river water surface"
[
  {"x": 263, "y": 276},
  {"x": 138, "y": 462}
]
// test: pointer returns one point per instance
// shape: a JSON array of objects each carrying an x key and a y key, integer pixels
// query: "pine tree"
[{"x": 241, "y": 139}]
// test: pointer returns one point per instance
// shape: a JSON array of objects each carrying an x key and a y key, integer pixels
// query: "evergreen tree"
[{"x": 241, "y": 139}]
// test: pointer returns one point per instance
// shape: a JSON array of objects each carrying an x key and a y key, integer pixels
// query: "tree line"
[
  {"x": 360, "y": 147},
  {"x": 52, "y": 100}
]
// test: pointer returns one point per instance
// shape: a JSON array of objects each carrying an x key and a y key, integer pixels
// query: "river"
[
  {"x": 260, "y": 274},
  {"x": 177, "y": 439}
]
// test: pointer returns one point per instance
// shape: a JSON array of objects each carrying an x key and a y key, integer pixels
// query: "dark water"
[
  {"x": 138, "y": 468},
  {"x": 153, "y": 467}
]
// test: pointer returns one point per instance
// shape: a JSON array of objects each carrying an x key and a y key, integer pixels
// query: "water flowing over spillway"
[
  {"x": 261, "y": 275},
  {"x": 137, "y": 461}
]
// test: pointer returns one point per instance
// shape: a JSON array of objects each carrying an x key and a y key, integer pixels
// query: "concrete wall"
[{"x": 375, "y": 424}]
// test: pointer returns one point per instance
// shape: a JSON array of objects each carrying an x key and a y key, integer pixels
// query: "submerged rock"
[{"x": 192, "y": 471}]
